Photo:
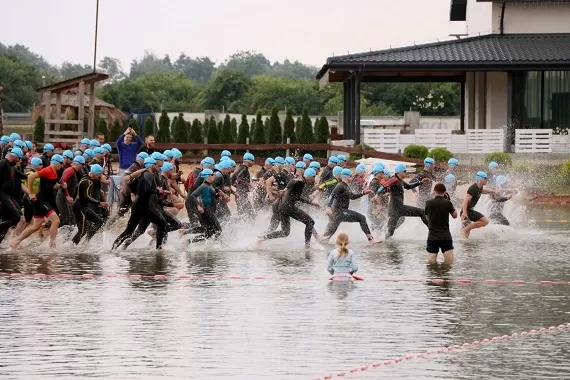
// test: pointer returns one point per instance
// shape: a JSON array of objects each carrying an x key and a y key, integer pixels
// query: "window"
[{"x": 556, "y": 99}]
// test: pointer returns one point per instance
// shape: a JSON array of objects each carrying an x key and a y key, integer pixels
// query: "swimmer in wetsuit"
[
  {"x": 424, "y": 189},
  {"x": 242, "y": 182},
  {"x": 379, "y": 197},
  {"x": 498, "y": 200},
  {"x": 11, "y": 180},
  {"x": 203, "y": 199},
  {"x": 471, "y": 218}
]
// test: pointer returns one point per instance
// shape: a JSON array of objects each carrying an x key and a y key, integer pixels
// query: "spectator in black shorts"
[
  {"x": 471, "y": 218},
  {"x": 437, "y": 212}
]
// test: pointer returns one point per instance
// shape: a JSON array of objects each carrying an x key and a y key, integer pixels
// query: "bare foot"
[
  {"x": 464, "y": 233},
  {"x": 374, "y": 241},
  {"x": 322, "y": 239},
  {"x": 14, "y": 244},
  {"x": 259, "y": 241},
  {"x": 151, "y": 233}
]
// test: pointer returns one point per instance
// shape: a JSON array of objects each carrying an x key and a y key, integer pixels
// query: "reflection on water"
[{"x": 291, "y": 329}]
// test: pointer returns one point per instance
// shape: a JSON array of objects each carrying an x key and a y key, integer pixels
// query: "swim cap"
[
  {"x": 14, "y": 137},
  {"x": 493, "y": 165},
  {"x": 79, "y": 160},
  {"x": 248, "y": 157},
  {"x": 176, "y": 152},
  {"x": 225, "y": 164},
  {"x": 166, "y": 167},
  {"x": 269, "y": 161},
  {"x": 142, "y": 156},
  {"x": 308, "y": 157},
  {"x": 378, "y": 168},
  {"x": 233, "y": 163},
  {"x": 210, "y": 161},
  {"x": 158, "y": 156},
  {"x": 301, "y": 165},
  {"x": 315, "y": 165},
  {"x": 68, "y": 154},
  {"x": 29, "y": 144},
  {"x": 36, "y": 161},
  {"x": 5, "y": 139},
  {"x": 481, "y": 175},
  {"x": 96, "y": 169},
  {"x": 449, "y": 178},
  {"x": 333, "y": 160},
  {"x": 310, "y": 172},
  {"x": 336, "y": 170},
  {"x": 78, "y": 153},
  {"x": 217, "y": 167},
  {"x": 387, "y": 172},
  {"x": 226, "y": 153},
  {"x": 400, "y": 168},
  {"x": 19, "y": 144},
  {"x": 149, "y": 161},
  {"x": 99, "y": 150},
  {"x": 428, "y": 161},
  {"x": 48, "y": 148},
  {"x": 289, "y": 160},
  {"x": 361, "y": 168},
  {"x": 85, "y": 141},
  {"x": 341, "y": 158},
  {"x": 168, "y": 153},
  {"x": 89, "y": 153},
  {"x": 346, "y": 173},
  {"x": 453, "y": 162},
  {"x": 224, "y": 158},
  {"x": 107, "y": 147},
  {"x": 206, "y": 173},
  {"x": 501, "y": 180},
  {"x": 94, "y": 143},
  {"x": 17, "y": 152},
  {"x": 279, "y": 160},
  {"x": 57, "y": 159}
]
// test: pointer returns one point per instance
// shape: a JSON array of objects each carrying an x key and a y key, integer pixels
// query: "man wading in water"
[{"x": 437, "y": 211}]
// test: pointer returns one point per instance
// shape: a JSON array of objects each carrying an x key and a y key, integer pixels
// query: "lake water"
[{"x": 292, "y": 323}]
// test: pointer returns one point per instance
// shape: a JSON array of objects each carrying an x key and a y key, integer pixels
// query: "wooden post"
[
  {"x": 81, "y": 106},
  {"x": 329, "y": 151},
  {"x": 91, "y": 126},
  {"x": 205, "y": 151},
  {"x": 247, "y": 143},
  {"x": 288, "y": 152},
  {"x": 47, "y": 112},
  {"x": 58, "y": 110}
]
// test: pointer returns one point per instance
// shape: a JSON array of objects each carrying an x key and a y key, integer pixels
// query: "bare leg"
[
  {"x": 53, "y": 229},
  {"x": 432, "y": 258},
  {"x": 448, "y": 257},
  {"x": 32, "y": 228},
  {"x": 465, "y": 231}
]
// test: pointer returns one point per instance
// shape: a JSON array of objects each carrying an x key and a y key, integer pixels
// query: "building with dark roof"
[{"x": 516, "y": 77}]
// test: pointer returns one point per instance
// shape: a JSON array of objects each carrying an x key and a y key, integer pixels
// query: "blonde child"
[{"x": 342, "y": 259}]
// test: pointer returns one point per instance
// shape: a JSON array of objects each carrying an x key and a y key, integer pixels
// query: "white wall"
[
  {"x": 539, "y": 17},
  {"x": 497, "y": 94}
]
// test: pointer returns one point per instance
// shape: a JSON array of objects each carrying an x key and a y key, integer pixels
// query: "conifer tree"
[
  {"x": 163, "y": 134},
  {"x": 258, "y": 132},
  {"x": 234, "y": 130},
  {"x": 226, "y": 131},
  {"x": 289, "y": 127},
  {"x": 39, "y": 129},
  {"x": 205, "y": 127},
  {"x": 179, "y": 133},
  {"x": 148, "y": 126},
  {"x": 116, "y": 130},
  {"x": 196, "y": 132},
  {"x": 298, "y": 128},
  {"x": 243, "y": 133},
  {"x": 306, "y": 135},
  {"x": 102, "y": 127},
  {"x": 275, "y": 131}
]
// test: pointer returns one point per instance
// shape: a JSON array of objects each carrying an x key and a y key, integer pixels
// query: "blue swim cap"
[
  {"x": 107, "y": 147},
  {"x": 301, "y": 165},
  {"x": 68, "y": 154},
  {"x": 5, "y": 139},
  {"x": 14, "y": 137},
  {"x": 89, "y": 153},
  {"x": 378, "y": 168},
  {"x": 493, "y": 165},
  {"x": 336, "y": 170},
  {"x": 269, "y": 161},
  {"x": 361, "y": 168},
  {"x": 279, "y": 160},
  {"x": 248, "y": 157},
  {"x": 310, "y": 172},
  {"x": 341, "y": 158},
  {"x": 210, "y": 161},
  {"x": 78, "y": 153},
  {"x": 233, "y": 163},
  {"x": 94, "y": 143},
  {"x": 428, "y": 161},
  {"x": 289, "y": 160},
  {"x": 449, "y": 178},
  {"x": 79, "y": 160},
  {"x": 85, "y": 141},
  {"x": 387, "y": 172},
  {"x": 481, "y": 175},
  {"x": 226, "y": 164},
  {"x": 57, "y": 159},
  {"x": 453, "y": 162},
  {"x": 29, "y": 144},
  {"x": 17, "y": 152},
  {"x": 99, "y": 150},
  {"x": 168, "y": 153},
  {"x": 308, "y": 157},
  {"x": 346, "y": 173},
  {"x": 158, "y": 156},
  {"x": 224, "y": 158},
  {"x": 149, "y": 161},
  {"x": 333, "y": 160},
  {"x": 166, "y": 167},
  {"x": 36, "y": 161},
  {"x": 206, "y": 173},
  {"x": 142, "y": 156},
  {"x": 315, "y": 165},
  {"x": 176, "y": 152},
  {"x": 501, "y": 180},
  {"x": 19, "y": 144},
  {"x": 48, "y": 148},
  {"x": 217, "y": 167},
  {"x": 96, "y": 169},
  {"x": 226, "y": 153},
  {"x": 400, "y": 168}
]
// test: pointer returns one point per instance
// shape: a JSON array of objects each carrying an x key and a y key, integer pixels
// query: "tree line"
[{"x": 246, "y": 82}]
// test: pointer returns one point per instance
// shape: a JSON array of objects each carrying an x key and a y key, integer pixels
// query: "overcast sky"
[{"x": 304, "y": 30}]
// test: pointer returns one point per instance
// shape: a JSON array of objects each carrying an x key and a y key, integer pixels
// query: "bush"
[
  {"x": 39, "y": 129},
  {"x": 416, "y": 151},
  {"x": 500, "y": 158},
  {"x": 565, "y": 173},
  {"x": 524, "y": 167},
  {"x": 440, "y": 154}
]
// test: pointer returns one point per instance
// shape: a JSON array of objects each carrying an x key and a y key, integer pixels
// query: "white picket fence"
[
  {"x": 474, "y": 141},
  {"x": 533, "y": 141}
]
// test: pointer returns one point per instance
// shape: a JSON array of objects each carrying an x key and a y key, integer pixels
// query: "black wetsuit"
[
  {"x": 496, "y": 214},
  {"x": 85, "y": 209},
  {"x": 242, "y": 183},
  {"x": 71, "y": 177},
  {"x": 424, "y": 189},
  {"x": 377, "y": 211},
  {"x": 281, "y": 180},
  {"x": 190, "y": 209},
  {"x": 288, "y": 209},
  {"x": 326, "y": 175},
  {"x": 208, "y": 219},
  {"x": 396, "y": 207},
  {"x": 10, "y": 210},
  {"x": 260, "y": 194},
  {"x": 222, "y": 209},
  {"x": 339, "y": 202}
]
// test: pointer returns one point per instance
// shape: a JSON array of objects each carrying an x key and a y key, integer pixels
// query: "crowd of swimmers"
[{"x": 43, "y": 193}]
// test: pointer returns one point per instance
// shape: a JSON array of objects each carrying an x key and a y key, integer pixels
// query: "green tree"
[
  {"x": 102, "y": 127},
  {"x": 179, "y": 132},
  {"x": 243, "y": 133},
  {"x": 275, "y": 133},
  {"x": 39, "y": 129},
  {"x": 258, "y": 132},
  {"x": 196, "y": 132},
  {"x": 298, "y": 124},
  {"x": 234, "y": 130},
  {"x": 226, "y": 131},
  {"x": 306, "y": 135},
  {"x": 116, "y": 130},
  {"x": 289, "y": 127},
  {"x": 163, "y": 128},
  {"x": 19, "y": 80},
  {"x": 213, "y": 135},
  {"x": 148, "y": 126},
  {"x": 205, "y": 127},
  {"x": 247, "y": 62},
  {"x": 322, "y": 134},
  {"x": 226, "y": 87}
]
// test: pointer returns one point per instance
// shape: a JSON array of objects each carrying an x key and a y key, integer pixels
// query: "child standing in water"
[{"x": 342, "y": 260}]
